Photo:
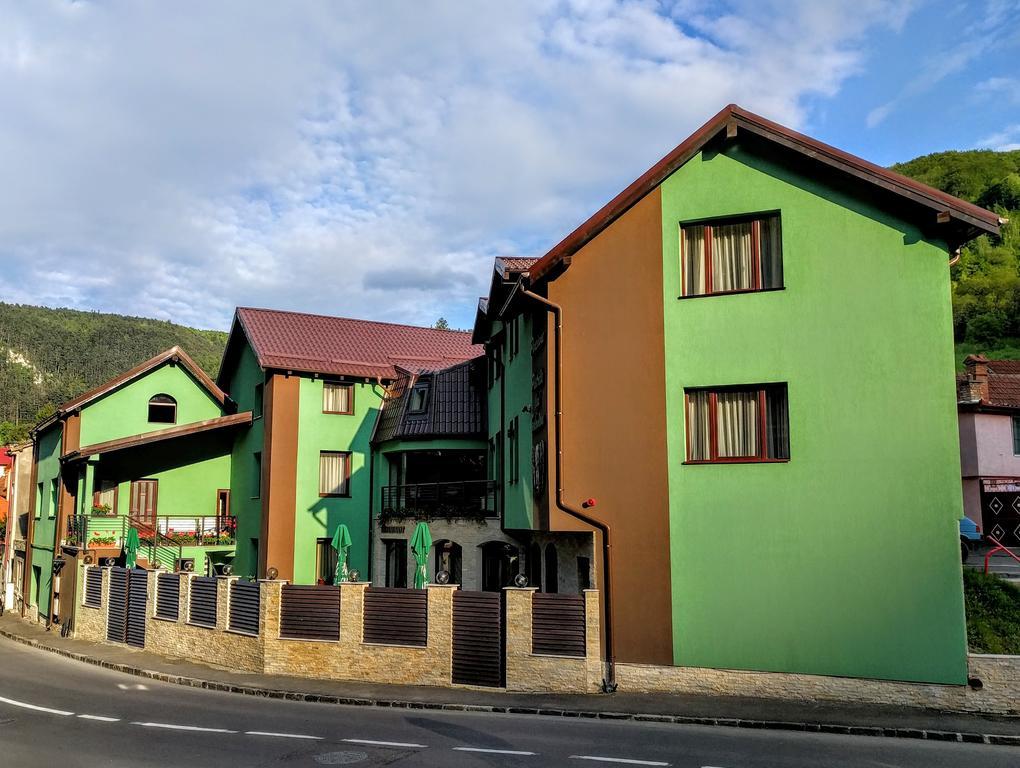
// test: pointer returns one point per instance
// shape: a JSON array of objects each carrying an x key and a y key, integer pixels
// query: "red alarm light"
[{"x": 588, "y": 503}]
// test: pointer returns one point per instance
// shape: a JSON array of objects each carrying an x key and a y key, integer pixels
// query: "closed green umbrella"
[
  {"x": 131, "y": 547},
  {"x": 421, "y": 543},
  {"x": 341, "y": 544}
]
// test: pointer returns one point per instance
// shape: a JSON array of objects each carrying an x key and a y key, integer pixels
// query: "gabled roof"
[
  {"x": 295, "y": 341},
  {"x": 970, "y": 220},
  {"x": 174, "y": 355},
  {"x": 455, "y": 405},
  {"x": 160, "y": 435}
]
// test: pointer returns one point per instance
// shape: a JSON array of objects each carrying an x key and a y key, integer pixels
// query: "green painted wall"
[
  {"x": 125, "y": 411},
  {"x": 315, "y": 517},
  {"x": 845, "y": 560},
  {"x": 245, "y": 501},
  {"x": 514, "y": 386},
  {"x": 45, "y": 511}
]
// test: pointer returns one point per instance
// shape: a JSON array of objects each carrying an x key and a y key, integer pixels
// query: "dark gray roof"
[{"x": 455, "y": 405}]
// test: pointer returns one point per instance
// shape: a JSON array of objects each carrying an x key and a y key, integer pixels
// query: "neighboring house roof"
[
  {"x": 970, "y": 219},
  {"x": 455, "y": 405},
  {"x": 296, "y": 341},
  {"x": 174, "y": 355},
  {"x": 506, "y": 265},
  {"x": 160, "y": 435},
  {"x": 989, "y": 384}
]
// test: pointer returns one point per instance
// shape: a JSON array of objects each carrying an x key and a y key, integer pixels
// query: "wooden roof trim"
[
  {"x": 732, "y": 118},
  {"x": 159, "y": 435}
]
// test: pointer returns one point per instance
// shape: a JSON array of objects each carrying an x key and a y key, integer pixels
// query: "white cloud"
[
  {"x": 1004, "y": 88},
  {"x": 364, "y": 159},
  {"x": 1004, "y": 141}
]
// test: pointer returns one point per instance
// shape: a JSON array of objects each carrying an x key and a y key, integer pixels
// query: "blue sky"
[{"x": 370, "y": 159}]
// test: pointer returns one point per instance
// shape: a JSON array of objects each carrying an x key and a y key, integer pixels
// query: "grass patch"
[
  {"x": 993, "y": 613},
  {"x": 1003, "y": 349}
]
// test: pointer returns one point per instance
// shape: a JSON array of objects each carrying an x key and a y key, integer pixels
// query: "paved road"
[{"x": 94, "y": 717}]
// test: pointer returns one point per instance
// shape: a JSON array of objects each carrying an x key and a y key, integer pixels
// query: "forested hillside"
[
  {"x": 48, "y": 356},
  {"x": 986, "y": 280}
]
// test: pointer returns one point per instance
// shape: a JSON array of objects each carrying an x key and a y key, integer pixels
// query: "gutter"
[{"x": 609, "y": 683}]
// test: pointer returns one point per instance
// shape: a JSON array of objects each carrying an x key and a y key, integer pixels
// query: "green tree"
[{"x": 441, "y": 324}]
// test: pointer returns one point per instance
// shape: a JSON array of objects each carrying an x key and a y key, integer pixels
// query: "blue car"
[{"x": 970, "y": 536}]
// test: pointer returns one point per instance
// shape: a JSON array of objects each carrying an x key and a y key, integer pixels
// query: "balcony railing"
[
  {"x": 467, "y": 498},
  {"x": 102, "y": 531}
]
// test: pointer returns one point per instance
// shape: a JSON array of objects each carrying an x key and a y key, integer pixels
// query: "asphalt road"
[{"x": 57, "y": 712}]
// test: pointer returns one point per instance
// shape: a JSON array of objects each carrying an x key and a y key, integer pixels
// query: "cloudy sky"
[{"x": 175, "y": 159}]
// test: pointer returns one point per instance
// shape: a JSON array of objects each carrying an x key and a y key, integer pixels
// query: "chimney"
[{"x": 977, "y": 377}]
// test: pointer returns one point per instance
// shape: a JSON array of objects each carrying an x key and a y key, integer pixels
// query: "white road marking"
[
  {"x": 626, "y": 760},
  {"x": 384, "y": 743},
  {"x": 282, "y": 735},
  {"x": 173, "y": 727},
  {"x": 492, "y": 751},
  {"x": 100, "y": 718},
  {"x": 133, "y": 687},
  {"x": 33, "y": 706}
]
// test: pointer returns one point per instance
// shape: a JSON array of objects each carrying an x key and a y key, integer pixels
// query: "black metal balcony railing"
[{"x": 467, "y": 498}]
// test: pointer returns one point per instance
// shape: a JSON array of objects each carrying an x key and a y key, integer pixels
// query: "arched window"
[
  {"x": 552, "y": 569},
  {"x": 499, "y": 565},
  {"x": 162, "y": 410},
  {"x": 449, "y": 559},
  {"x": 535, "y": 565}
]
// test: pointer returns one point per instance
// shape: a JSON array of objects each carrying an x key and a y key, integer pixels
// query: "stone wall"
[
  {"x": 349, "y": 658},
  {"x": 183, "y": 640},
  {"x": 999, "y": 692},
  {"x": 526, "y": 671}
]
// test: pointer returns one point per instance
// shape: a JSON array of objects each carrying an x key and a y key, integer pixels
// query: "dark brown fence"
[
  {"x": 138, "y": 593},
  {"x": 94, "y": 587},
  {"x": 203, "y": 601},
  {"x": 244, "y": 607},
  {"x": 310, "y": 612},
  {"x": 396, "y": 616},
  {"x": 168, "y": 596},
  {"x": 116, "y": 617},
  {"x": 557, "y": 625},
  {"x": 478, "y": 638}
]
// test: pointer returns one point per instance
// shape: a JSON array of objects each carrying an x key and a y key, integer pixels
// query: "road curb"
[{"x": 321, "y": 698}]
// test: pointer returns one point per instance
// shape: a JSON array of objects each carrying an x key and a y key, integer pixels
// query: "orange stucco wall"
[{"x": 614, "y": 438}]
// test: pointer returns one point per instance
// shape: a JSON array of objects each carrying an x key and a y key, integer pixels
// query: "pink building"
[{"x": 988, "y": 398}]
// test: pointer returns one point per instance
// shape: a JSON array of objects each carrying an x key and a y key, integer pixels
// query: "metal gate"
[
  {"x": 478, "y": 638},
  {"x": 116, "y": 617},
  {"x": 1000, "y": 510},
  {"x": 138, "y": 593}
]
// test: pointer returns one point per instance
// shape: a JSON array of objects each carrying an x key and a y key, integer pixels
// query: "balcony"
[
  {"x": 162, "y": 531},
  {"x": 472, "y": 499}
]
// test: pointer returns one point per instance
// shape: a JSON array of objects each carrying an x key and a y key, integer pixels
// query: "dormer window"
[
  {"x": 162, "y": 410},
  {"x": 419, "y": 398}
]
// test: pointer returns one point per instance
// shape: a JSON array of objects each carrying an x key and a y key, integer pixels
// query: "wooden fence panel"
[
  {"x": 138, "y": 593},
  {"x": 478, "y": 639},
  {"x": 116, "y": 619},
  {"x": 244, "y": 607},
  {"x": 168, "y": 596},
  {"x": 309, "y": 612},
  {"x": 94, "y": 587},
  {"x": 558, "y": 626},
  {"x": 395, "y": 616},
  {"x": 202, "y": 611}
]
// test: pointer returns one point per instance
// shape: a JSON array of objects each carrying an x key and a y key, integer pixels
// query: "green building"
[{"x": 150, "y": 450}]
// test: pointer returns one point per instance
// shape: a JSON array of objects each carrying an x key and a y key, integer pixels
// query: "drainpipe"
[{"x": 609, "y": 684}]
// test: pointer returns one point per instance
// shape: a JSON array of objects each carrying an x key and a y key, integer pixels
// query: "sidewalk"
[{"x": 850, "y": 719}]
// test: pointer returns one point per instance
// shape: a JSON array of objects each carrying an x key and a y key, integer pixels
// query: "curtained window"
[
  {"x": 727, "y": 257},
  {"x": 738, "y": 424},
  {"x": 337, "y": 398},
  {"x": 334, "y": 473}
]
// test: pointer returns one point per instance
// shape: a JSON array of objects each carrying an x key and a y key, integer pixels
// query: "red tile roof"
[
  {"x": 513, "y": 264},
  {"x": 1003, "y": 385},
  {"x": 296, "y": 341}
]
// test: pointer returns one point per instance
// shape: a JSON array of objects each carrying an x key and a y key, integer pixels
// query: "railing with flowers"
[
  {"x": 210, "y": 531},
  {"x": 102, "y": 531}
]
